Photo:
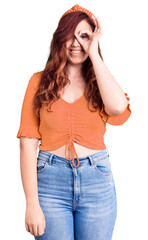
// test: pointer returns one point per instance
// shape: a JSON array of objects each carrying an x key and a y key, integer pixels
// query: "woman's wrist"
[
  {"x": 32, "y": 202},
  {"x": 94, "y": 56}
]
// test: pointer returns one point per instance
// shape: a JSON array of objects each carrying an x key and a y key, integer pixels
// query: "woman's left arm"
[{"x": 113, "y": 97}]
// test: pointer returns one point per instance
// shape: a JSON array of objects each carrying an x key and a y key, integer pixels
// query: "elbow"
[
  {"x": 119, "y": 110},
  {"x": 122, "y": 108}
]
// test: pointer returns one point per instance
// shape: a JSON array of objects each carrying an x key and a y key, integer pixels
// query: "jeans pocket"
[
  {"x": 103, "y": 166},
  {"x": 41, "y": 165}
]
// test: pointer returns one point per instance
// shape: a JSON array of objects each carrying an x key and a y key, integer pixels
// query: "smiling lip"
[{"x": 75, "y": 51}]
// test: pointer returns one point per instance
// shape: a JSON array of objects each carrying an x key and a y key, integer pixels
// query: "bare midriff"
[{"x": 81, "y": 151}]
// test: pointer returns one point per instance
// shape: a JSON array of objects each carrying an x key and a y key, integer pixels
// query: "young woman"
[{"x": 67, "y": 106}]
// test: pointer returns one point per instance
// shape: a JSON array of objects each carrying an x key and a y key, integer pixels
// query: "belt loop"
[
  {"x": 50, "y": 158},
  {"x": 91, "y": 160},
  {"x": 107, "y": 151}
]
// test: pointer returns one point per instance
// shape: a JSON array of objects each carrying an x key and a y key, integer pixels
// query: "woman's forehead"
[{"x": 83, "y": 25}]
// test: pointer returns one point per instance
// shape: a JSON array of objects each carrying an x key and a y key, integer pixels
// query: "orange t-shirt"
[{"x": 67, "y": 123}]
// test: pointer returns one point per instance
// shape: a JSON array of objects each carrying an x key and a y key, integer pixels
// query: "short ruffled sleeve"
[
  {"x": 119, "y": 119},
  {"x": 29, "y": 123}
]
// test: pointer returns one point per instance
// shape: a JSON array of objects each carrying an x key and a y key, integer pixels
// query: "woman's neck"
[{"x": 74, "y": 71}]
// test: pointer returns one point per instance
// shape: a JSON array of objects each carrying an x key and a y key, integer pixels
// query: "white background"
[{"x": 26, "y": 32}]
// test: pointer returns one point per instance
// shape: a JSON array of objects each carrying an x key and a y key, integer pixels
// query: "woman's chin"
[{"x": 77, "y": 60}]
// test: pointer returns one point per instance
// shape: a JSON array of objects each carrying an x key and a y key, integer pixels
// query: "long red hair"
[{"x": 54, "y": 77}]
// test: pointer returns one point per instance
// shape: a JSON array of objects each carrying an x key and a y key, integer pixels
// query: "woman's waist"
[{"x": 82, "y": 151}]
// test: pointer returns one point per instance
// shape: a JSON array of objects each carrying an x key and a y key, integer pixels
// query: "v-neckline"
[{"x": 72, "y": 102}]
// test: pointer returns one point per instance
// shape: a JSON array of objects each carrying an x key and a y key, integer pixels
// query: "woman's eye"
[{"x": 84, "y": 36}]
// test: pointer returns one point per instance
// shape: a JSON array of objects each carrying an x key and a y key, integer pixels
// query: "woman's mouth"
[{"x": 76, "y": 51}]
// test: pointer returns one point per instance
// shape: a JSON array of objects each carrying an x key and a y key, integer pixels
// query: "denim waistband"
[{"x": 88, "y": 159}]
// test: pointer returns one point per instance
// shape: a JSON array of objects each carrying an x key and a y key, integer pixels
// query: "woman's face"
[{"x": 75, "y": 52}]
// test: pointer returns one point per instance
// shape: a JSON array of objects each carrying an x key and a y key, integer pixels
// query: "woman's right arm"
[
  {"x": 34, "y": 219},
  {"x": 29, "y": 135}
]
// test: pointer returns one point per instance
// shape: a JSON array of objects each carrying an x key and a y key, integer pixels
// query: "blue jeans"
[{"x": 79, "y": 203}]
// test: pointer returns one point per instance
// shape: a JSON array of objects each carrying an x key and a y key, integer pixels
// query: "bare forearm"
[
  {"x": 28, "y": 161},
  {"x": 112, "y": 94}
]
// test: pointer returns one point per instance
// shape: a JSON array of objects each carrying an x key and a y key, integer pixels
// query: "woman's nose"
[{"x": 75, "y": 41}]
